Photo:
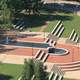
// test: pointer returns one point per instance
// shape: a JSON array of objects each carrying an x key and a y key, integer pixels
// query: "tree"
[
  {"x": 39, "y": 71},
  {"x": 33, "y": 6},
  {"x": 28, "y": 70},
  {"x": 10, "y": 8},
  {"x": 32, "y": 67},
  {"x": 28, "y": 5},
  {"x": 5, "y": 14},
  {"x": 15, "y": 5}
]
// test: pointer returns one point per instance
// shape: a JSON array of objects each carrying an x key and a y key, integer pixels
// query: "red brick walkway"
[
  {"x": 31, "y": 39},
  {"x": 74, "y": 52}
]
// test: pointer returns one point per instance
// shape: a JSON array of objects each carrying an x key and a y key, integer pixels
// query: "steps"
[
  {"x": 70, "y": 66},
  {"x": 56, "y": 73}
]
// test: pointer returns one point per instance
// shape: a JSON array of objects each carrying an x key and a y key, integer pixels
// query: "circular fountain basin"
[{"x": 57, "y": 51}]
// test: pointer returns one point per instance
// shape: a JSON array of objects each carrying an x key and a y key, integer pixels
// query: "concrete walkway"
[{"x": 15, "y": 59}]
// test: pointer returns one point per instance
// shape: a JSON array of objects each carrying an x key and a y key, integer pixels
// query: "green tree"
[
  {"x": 16, "y": 5},
  {"x": 28, "y": 70},
  {"x": 32, "y": 67},
  {"x": 5, "y": 14},
  {"x": 39, "y": 71},
  {"x": 33, "y": 6}
]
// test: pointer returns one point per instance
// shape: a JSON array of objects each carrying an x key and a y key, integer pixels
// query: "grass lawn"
[
  {"x": 10, "y": 71},
  {"x": 70, "y": 21}
]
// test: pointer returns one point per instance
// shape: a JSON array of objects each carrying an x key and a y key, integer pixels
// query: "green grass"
[
  {"x": 70, "y": 21},
  {"x": 10, "y": 71}
]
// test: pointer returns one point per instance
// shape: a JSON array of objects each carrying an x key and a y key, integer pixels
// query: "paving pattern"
[
  {"x": 74, "y": 52},
  {"x": 16, "y": 55}
]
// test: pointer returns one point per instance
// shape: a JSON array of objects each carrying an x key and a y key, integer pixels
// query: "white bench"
[
  {"x": 60, "y": 32},
  {"x": 71, "y": 35},
  {"x": 17, "y": 27},
  {"x": 74, "y": 36},
  {"x": 77, "y": 39},
  {"x": 58, "y": 29}
]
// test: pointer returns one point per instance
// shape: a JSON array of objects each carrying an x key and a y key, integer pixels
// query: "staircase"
[
  {"x": 56, "y": 73},
  {"x": 70, "y": 66}
]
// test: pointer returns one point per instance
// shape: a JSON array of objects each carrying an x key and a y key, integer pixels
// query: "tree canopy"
[
  {"x": 9, "y": 8},
  {"x": 31, "y": 68}
]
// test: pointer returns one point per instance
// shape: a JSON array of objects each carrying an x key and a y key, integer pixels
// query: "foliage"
[
  {"x": 5, "y": 14},
  {"x": 39, "y": 71},
  {"x": 31, "y": 68},
  {"x": 28, "y": 70},
  {"x": 29, "y": 5},
  {"x": 10, "y": 8},
  {"x": 15, "y": 5},
  {"x": 33, "y": 6}
]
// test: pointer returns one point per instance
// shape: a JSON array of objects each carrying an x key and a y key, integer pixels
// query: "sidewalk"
[{"x": 57, "y": 1}]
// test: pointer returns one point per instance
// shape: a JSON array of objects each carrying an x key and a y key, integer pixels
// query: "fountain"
[
  {"x": 8, "y": 36},
  {"x": 7, "y": 40},
  {"x": 57, "y": 51}
]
